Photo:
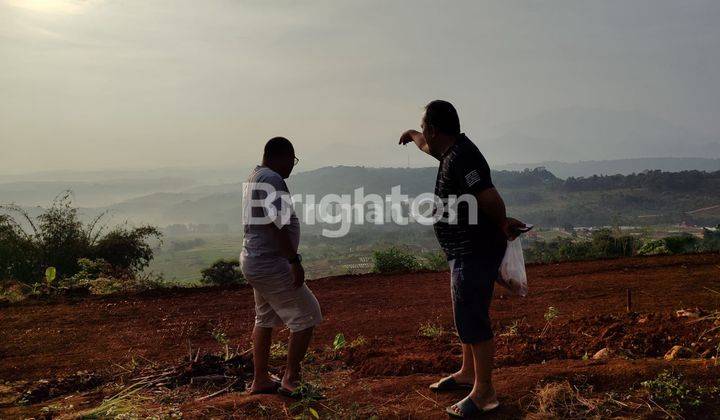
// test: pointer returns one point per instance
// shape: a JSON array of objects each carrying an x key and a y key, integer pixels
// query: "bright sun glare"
[{"x": 51, "y": 6}]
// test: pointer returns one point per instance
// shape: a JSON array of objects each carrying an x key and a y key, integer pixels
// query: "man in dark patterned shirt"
[{"x": 473, "y": 234}]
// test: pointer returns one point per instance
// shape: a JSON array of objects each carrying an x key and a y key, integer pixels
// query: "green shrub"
[
  {"x": 671, "y": 391},
  {"x": 394, "y": 260},
  {"x": 102, "y": 278},
  {"x": 681, "y": 244},
  {"x": 436, "y": 262},
  {"x": 18, "y": 253},
  {"x": 603, "y": 244},
  {"x": 570, "y": 250},
  {"x": 711, "y": 240},
  {"x": 223, "y": 273},
  {"x": 61, "y": 237},
  {"x": 607, "y": 245},
  {"x": 677, "y": 244},
  {"x": 57, "y": 238},
  {"x": 560, "y": 249},
  {"x": 127, "y": 249},
  {"x": 654, "y": 247},
  {"x": 91, "y": 269}
]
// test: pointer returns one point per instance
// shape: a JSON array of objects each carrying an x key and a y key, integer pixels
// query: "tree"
[
  {"x": 57, "y": 238},
  {"x": 127, "y": 249},
  {"x": 223, "y": 273},
  {"x": 18, "y": 253}
]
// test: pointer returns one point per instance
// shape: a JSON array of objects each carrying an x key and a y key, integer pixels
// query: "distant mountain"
[
  {"x": 195, "y": 175},
  {"x": 619, "y": 166},
  {"x": 103, "y": 188},
  {"x": 92, "y": 193},
  {"x": 586, "y": 134},
  {"x": 223, "y": 203},
  {"x": 536, "y": 195}
]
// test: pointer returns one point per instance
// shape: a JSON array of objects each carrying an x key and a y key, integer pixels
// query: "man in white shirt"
[{"x": 271, "y": 265}]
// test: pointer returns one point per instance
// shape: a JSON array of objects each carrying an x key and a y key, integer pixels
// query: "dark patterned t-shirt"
[{"x": 464, "y": 170}]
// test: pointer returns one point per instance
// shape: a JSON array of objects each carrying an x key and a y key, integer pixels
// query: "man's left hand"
[
  {"x": 513, "y": 228},
  {"x": 298, "y": 274}
]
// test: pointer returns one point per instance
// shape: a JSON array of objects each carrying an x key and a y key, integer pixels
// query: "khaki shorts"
[{"x": 277, "y": 301}]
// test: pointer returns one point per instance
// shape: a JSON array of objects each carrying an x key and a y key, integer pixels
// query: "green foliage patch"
[
  {"x": 223, "y": 273},
  {"x": 57, "y": 249},
  {"x": 393, "y": 260},
  {"x": 671, "y": 391}
]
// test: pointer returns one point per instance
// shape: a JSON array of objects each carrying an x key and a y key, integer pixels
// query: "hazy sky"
[{"x": 141, "y": 83}]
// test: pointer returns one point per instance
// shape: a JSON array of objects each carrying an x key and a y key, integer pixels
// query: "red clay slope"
[{"x": 41, "y": 340}]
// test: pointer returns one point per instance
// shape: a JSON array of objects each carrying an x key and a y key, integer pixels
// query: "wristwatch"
[{"x": 297, "y": 259}]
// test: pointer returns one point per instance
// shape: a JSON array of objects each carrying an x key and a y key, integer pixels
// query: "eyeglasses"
[{"x": 296, "y": 161}]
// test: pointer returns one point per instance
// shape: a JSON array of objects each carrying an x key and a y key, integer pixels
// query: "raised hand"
[
  {"x": 416, "y": 137},
  {"x": 409, "y": 136}
]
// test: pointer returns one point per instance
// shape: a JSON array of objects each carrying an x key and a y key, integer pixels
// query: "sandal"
[
  {"x": 272, "y": 389},
  {"x": 468, "y": 409},
  {"x": 449, "y": 384}
]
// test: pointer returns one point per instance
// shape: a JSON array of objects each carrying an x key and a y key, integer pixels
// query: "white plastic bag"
[{"x": 512, "y": 269}]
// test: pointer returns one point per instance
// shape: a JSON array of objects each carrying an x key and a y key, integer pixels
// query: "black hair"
[
  {"x": 277, "y": 146},
  {"x": 443, "y": 117}
]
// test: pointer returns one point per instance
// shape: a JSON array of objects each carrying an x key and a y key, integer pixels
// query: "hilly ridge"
[{"x": 537, "y": 195}]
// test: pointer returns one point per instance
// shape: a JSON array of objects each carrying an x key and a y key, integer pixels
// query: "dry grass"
[
  {"x": 562, "y": 400},
  {"x": 278, "y": 351},
  {"x": 431, "y": 330}
]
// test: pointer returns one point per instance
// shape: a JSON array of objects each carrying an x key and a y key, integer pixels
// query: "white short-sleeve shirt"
[{"x": 260, "y": 239}]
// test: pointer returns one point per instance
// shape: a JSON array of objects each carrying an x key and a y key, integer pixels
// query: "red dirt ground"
[{"x": 389, "y": 374}]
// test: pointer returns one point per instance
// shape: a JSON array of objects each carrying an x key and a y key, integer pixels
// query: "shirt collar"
[{"x": 459, "y": 138}]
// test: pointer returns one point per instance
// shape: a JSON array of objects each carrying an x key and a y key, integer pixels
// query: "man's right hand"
[
  {"x": 414, "y": 136},
  {"x": 298, "y": 274},
  {"x": 409, "y": 137}
]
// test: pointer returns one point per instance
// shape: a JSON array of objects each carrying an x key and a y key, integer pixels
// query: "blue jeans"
[{"x": 473, "y": 282}]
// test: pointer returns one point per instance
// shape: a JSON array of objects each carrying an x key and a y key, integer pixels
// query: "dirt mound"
[{"x": 634, "y": 335}]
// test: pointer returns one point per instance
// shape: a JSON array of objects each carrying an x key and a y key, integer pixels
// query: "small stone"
[
  {"x": 604, "y": 353},
  {"x": 680, "y": 352},
  {"x": 688, "y": 313}
]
